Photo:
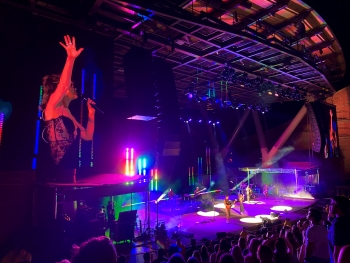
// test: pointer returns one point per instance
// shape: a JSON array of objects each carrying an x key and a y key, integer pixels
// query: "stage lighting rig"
[{"x": 191, "y": 91}]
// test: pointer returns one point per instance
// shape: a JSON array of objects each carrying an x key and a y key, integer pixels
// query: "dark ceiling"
[{"x": 227, "y": 52}]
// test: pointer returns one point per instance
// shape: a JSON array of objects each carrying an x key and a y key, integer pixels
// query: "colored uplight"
[
  {"x": 281, "y": 208},
  {"x": 210, "y": 213}
]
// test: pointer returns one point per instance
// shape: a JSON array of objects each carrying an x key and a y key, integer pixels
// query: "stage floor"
[{"x": 203, "y": 223}]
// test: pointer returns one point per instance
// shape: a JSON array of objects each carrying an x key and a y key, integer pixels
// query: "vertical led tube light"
[
  {"x": 156, "y": 178},
  {"x": 144, "y": 166},
  {"x": 139, "y": 166},
  {"x": 127, "y": 168},
  {"x": 189, "y": 176},
  {"x": 132, "y": 164},
  {"x": 192, "y": 175},
  {"x": 37, "y": 129},
  {"x": 81, "y": 110},
  {"x": 152, "y": 180},
  {"x": 92, "y": 141}
]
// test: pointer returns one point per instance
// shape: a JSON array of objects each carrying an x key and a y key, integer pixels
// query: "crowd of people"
[{"x": 304, "y": 242}]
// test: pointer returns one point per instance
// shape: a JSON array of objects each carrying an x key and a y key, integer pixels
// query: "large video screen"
[{"x": 326, "y": 116}]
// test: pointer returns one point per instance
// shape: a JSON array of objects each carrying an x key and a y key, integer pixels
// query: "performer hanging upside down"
[
  {"x": 249, "y": 193},
  {"x": 228, "y": 204}
]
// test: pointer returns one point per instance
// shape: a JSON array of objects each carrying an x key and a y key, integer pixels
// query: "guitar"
[{"x": 229, "y": 204}]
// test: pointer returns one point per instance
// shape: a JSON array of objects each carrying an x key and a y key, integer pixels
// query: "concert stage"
[{"x": 203, "y": 224}]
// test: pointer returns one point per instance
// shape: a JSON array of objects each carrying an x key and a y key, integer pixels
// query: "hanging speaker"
[{"x": 315, "y": 130}]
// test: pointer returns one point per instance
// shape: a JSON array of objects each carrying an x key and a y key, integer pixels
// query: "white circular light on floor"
[
  {"x": 281, "y": 208},
  {"x": 251, "y": 220},
  {"x": 267, "y": 216},
  {"x": 254, "y": 202},
  {"x": 209, "y": 213},
  {"x": 221, "y": 205}
]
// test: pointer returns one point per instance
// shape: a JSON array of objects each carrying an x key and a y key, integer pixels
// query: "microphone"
[{"x": 92, "y": 105}]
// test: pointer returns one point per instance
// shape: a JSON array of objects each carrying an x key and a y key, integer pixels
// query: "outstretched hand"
[{"x": 69, "y": 46}]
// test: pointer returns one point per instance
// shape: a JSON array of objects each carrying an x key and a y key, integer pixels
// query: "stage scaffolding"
[{"x": 253, "y": 171}]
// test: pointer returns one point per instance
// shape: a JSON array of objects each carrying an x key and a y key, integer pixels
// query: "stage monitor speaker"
[
  {"x": 126, "y": 225},
  {"x": 220, "y": 235},
  {"x": 315, "y": 130},
  {"x": 127, "y": 216}
]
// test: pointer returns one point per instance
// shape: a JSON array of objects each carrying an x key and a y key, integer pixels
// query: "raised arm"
[{"x": 65, "y": 80}]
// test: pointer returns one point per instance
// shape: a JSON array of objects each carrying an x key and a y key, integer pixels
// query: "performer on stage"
[
  {"x": 265, "y": 191},
  {"x": 196, "y": 192},
  {"x": 172, "y": 200},
  {"x": 228, "y": 204},
  {"x": 171, "y": 194},
  {"x": 62, "y": 130},
  {"x": 110, "y": 214},
  {"x": 241, "y": 199},
  {"x": 249, "y": 193}
]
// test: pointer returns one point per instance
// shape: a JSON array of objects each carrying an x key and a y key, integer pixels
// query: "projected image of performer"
[
  {"x": 248, "y": 193},
  {"x": 241, "y": 199},
  {"x": 62, "y": 131},
  {"x": 228, "y": 204}
]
